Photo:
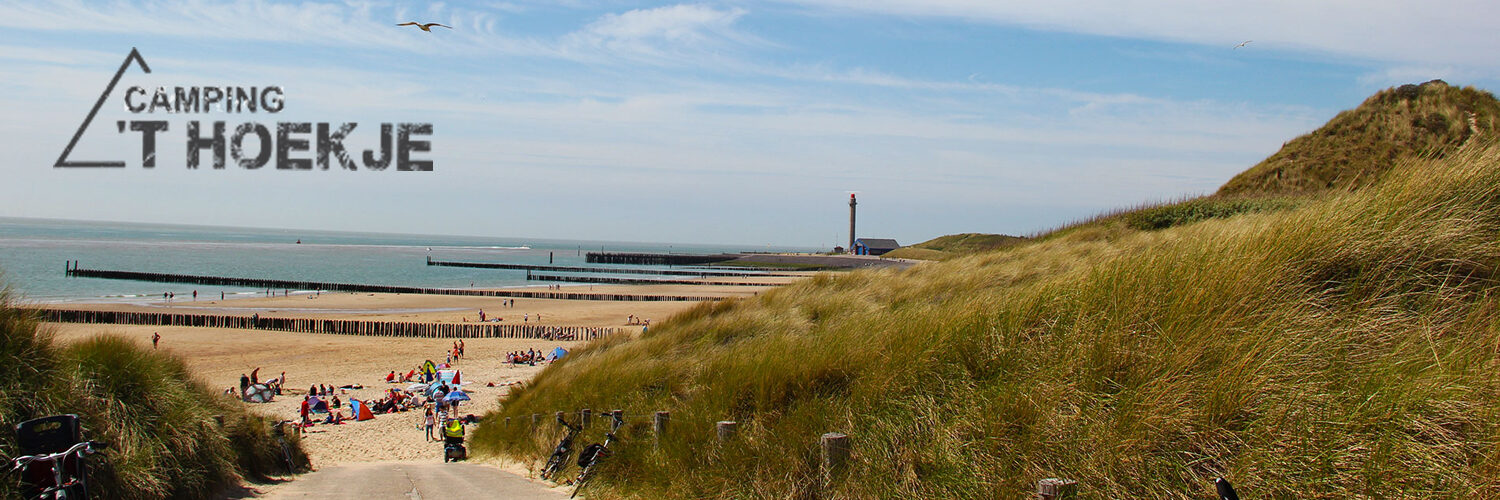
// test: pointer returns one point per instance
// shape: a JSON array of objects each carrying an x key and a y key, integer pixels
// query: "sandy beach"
[{"x": 220, "y": 356}]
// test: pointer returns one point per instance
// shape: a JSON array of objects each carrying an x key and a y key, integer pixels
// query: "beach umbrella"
[
  {"x": 456, "y": 396},
  {"x": 558, "y": 353}
]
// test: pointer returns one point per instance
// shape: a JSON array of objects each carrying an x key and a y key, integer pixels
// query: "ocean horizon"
[{"x": 34, "y": 252}]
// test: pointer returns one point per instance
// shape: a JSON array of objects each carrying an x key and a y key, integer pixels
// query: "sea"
[{"x": 34, "y": 255}]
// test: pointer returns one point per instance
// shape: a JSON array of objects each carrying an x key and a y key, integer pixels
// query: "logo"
[{"x": 288, "y": 145}]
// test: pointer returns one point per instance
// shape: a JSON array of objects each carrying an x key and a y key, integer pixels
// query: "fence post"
[
  {"x": 659, "y": 426},
  {"x": 835, "y": 452},
  {"x": 1056, "y": 489},
  {"x": 726, "y": 430}
]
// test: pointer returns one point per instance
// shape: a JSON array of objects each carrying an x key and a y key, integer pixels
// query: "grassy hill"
[
  {"x": 1357, "y": 147},
  {"x": 1321, "y": 347},
  {"x": 953, "y": 245},
  {"x": 158, "y": 419}
]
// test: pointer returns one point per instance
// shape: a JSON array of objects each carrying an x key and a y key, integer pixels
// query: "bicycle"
[
  {"x": 564, "y": 449},
  {"x": 65, "y": 483},
  {"x": 279, "y": 428},
  {"x": 592, "y": 454}
]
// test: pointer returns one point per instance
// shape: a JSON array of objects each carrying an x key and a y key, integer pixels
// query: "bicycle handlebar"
[{"x": 82, "y": 449}]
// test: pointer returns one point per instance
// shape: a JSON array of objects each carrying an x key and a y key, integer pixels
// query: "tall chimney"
[{"x": 851, "y": 222}]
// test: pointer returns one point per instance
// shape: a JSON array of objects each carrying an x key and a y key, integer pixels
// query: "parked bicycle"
[
  {"x": 46, "y": 473},
  {"x": 559, "y": 458},
  {"x": 593, "y": 454}
]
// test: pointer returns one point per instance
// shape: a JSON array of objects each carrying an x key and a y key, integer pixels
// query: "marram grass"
[
  {"x": 1342, "y": 348},
  {"x": 165, "y": 441}
]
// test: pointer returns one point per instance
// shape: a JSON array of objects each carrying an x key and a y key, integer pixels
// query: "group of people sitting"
[
  {"x": 394, "y": 401},
  {"x": 526, "y": 357},
  {"x": 634, "y": 320}
]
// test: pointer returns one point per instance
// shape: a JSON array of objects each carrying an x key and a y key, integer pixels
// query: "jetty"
[
  {"x": 637, "y": 281},
  {"x": 657, "y": 259},
  {"x": 363, "y": 328},
  {"x": 701, "y": 273},
  {"x": 274, "y": 284}
]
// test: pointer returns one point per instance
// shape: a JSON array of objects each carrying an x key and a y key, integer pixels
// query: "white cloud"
[{"x": 1445, "y": 32}]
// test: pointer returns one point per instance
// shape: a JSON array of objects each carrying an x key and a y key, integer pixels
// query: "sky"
[{"x": 744, "y": 123}]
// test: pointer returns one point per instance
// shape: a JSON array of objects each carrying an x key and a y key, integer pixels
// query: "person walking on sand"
[
  {"x": 155, "y": 337},
  {"x": 428, "y": 423}
]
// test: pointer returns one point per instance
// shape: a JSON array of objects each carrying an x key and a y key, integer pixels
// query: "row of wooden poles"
[
  {"x": 362, "y": 328},
  {"x": 834, "y": 447},
  {"x": 656, "y": 259},
  {"x": 74, "y": 270},
  {"x": 701, "y": 273},
  {"x": 635, "y": 281}
]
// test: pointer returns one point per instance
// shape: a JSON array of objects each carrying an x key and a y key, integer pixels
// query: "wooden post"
[
  {"x": 659, "y": 424},
  {"x": 1056, "y": 489},
  {"x": 584, "y": 417},
  {"x": 726, "y": 430},
  {"x": 835, "y": 452}
]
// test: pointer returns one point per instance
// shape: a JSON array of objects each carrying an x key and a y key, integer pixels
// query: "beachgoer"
[
  {"x": 304, "y": 409},
  {"x": 155, "y": 337},
  {"x": 453, "y": 432},
  {"x": 195, "y": 295},
  {"x": 428, "y": 423},
  {"x": 255, "y": 376},
  {"x": 244, "y": 384}
]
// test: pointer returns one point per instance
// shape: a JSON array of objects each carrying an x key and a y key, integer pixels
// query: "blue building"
[{"x": 874, "y": 246}]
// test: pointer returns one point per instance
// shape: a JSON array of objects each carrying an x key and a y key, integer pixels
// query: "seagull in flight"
[
  {"x": 1242, "y": 44},
  {"x": 424, "y": 27}
]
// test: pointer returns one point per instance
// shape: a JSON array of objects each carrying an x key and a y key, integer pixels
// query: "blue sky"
[{"x": 714, "y": 122}]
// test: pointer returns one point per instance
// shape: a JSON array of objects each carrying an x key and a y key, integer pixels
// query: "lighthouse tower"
[{"x": 852, "y": 203}]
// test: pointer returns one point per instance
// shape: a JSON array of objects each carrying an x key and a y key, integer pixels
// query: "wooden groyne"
[
  {"x": 636, "y": 281},
  {"x": 704, "y": 273},
  {"x": 362, "y": 328},
  {"x": 75, "y": 271},
  {"x": 656, "y": 259}
]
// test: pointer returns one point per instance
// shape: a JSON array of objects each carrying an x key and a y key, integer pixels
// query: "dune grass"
[
  {"x": 1357, "y": 147},
  {"x": 1342, "y": 347},
  {"x": 955, "y": 245},
  {"x": 162, "y": 424}
]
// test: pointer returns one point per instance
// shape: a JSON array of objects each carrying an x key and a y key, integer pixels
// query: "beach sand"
[{"x": 219, "y": 356}]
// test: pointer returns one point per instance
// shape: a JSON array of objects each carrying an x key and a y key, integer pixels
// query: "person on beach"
[
  {"x": 255, "y": 376},
  {"x": 244, "y": 385},
  {"x": 195, "y": 295},
  {"x": 304, "y": 410},
  {"x": 428, "y": 422},
  {"x": 460, "y": 347},
  {"x": 155, "y": 337}
]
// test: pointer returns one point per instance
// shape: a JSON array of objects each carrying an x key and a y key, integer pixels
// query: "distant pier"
[
  {"x": 612, "y": 270},
  {"x": 75, "y": 271},
  {"x": 636, "y": 281},
  {"x": 330, "y": 326},
  {"x": 657, "y": 259}
]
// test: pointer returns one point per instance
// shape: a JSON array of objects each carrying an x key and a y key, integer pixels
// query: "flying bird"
[
  {"x": 424, "y": 27},
  {"x": 1242, "y": 44}
]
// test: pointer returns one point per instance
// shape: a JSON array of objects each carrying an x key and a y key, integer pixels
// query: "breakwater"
[
  {"x": 273, "y": 284},
  {"x": 363, "y": 328},
  {"x": 611, "y": 270},
  {"x": 636, "y": 281},
  {"x": 656, "y": 259}
]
